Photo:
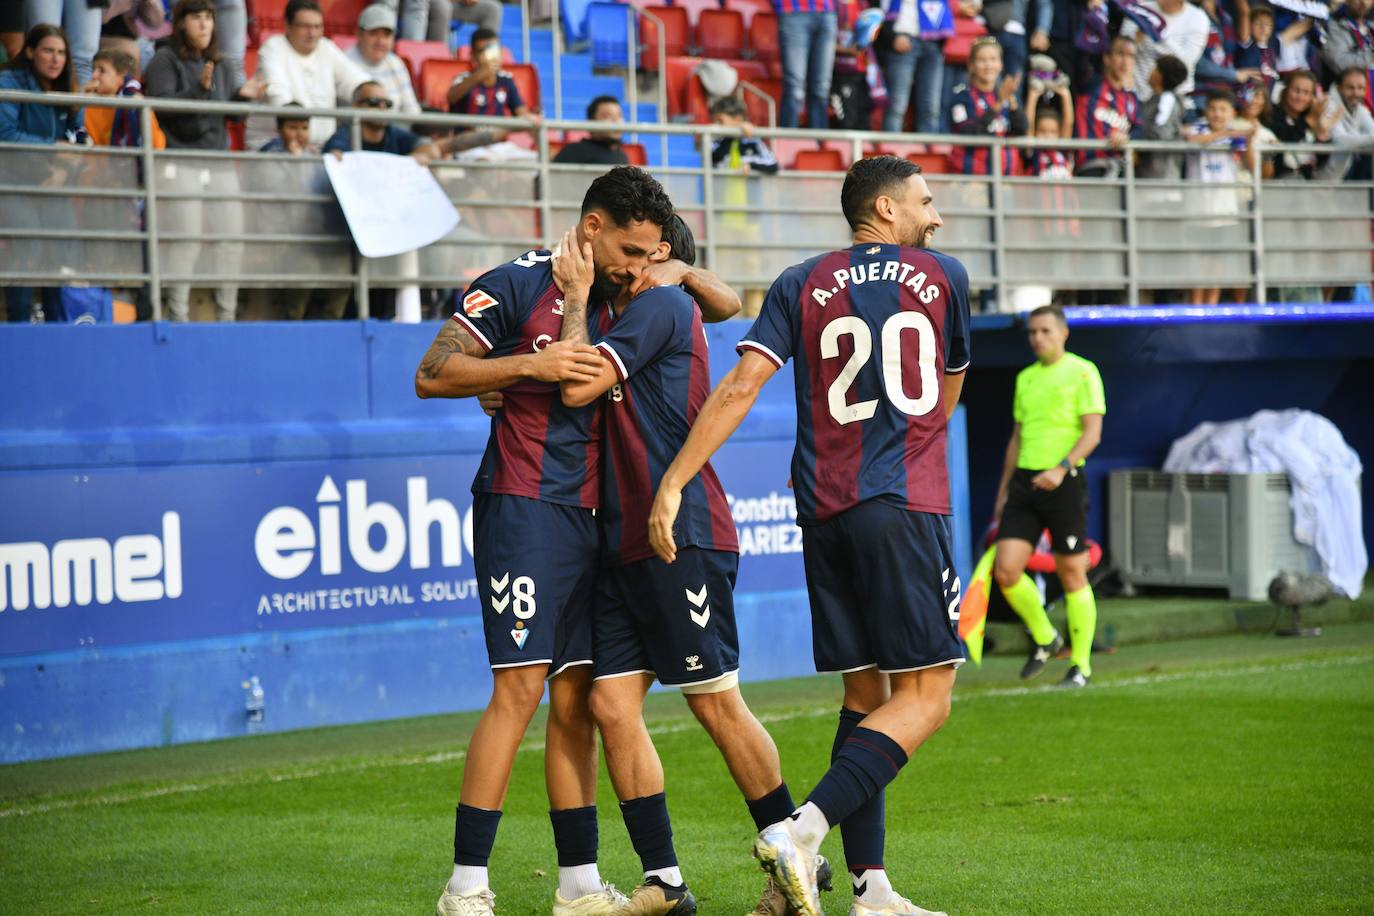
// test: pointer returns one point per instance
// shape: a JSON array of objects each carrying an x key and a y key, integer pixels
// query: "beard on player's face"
[{"x": 606, "y": 288}]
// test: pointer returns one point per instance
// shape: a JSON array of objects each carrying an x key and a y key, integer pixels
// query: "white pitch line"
[{"x": 669, "y": 728}]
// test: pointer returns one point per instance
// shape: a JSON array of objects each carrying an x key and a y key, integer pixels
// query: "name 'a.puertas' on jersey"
[{"x": 880, "y": 272}]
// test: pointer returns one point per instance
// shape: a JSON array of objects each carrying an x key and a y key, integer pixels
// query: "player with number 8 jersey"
[{"x": 879, "y": 335}]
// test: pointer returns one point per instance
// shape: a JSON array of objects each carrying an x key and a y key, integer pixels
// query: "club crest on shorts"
[
  {"x": 477, "y": 302},
  {"x": 697, "y": 600},
  {"x": 519, "y": 636}
]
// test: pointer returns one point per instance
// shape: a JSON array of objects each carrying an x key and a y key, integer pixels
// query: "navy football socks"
[
  {"x": 771, "y": 808},
  {"x": 867, "y": 761},
  {"x": 575, "y": 835},
  {"x": 651, "y": 833},
  {"x": 474, "y": 834},
  {"x": 865, "y": 831}
]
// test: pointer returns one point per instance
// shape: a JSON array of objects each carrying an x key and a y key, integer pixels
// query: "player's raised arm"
[
  {"x": 720, "y": 416},
  {"x": 454, "y": 366}
]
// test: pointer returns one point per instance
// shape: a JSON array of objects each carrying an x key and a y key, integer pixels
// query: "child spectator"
[
  {"x": 1048, "y": 83},
  {"x": 293, "y": 135},
  {"x": 1162, "y": 119},
  {"x": 985, "y": 107},
  {"x": 1261, "y": 52},
  {"x": 745, "y": 153},
  {"x": 1215, "y": 164},
  {"x": 1252, "y": 102},
  {"x": 116, "y": 73},
  {"x": 1295, "y": 119}
]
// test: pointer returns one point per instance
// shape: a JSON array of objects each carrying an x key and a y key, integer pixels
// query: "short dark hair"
[
  {"x": 1221, "y": 95},
  {"x": 1261, "y": 11},
  {"x": 597, "y": 102},
  {"x": 628, "y": 194},
  {"x": 1053, "y": 311},
  {"x": 359, "y": 88},
  {"x": 298, "y": 6},
  {"x": 729, "y": 105},
  {"x": 124, "y": 64},
  {"x": 1048, "y": 114},
  {"x": 869, "y": 179},
  {"x": 480, "y": 36},
  {"x": 1172, "y": 72},
  {"x": 1340, "y": 77},
  {"x": 682, "y": 245},
  {"x": 283, "y": 120}
]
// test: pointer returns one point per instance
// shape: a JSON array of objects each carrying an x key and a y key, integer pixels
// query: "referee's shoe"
[{"x": 1040, "y": 655}]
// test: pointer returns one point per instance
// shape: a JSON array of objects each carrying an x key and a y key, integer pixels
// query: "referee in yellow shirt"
[{"x": 1058, "y": 410}]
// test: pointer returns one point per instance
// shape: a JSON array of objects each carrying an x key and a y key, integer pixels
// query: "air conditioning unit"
[{"x": 1231, "y": 531}]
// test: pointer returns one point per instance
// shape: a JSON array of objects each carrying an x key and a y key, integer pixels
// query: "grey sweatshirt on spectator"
[
  {"x": 171, "y": 77},
  {"x": 1161, "y": 119}
]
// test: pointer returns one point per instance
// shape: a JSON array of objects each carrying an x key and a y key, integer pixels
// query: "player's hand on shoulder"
[
  {"x": 562, "y": 361},
  {"x": 664, "y": 273},
  {"x": 573, "y": 269}
]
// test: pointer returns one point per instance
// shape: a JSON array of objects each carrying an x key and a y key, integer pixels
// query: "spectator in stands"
[
  {"x": 486, "y": 89},
  {"x": 913, "y": 61},
  {"x": 807, "y": 30},
  {"x": 11, "y": 31},
  {"x": 1006, "y": 21},
  {"x": 80, "y": 21},
  {"x": 1161, "y": 118},
  {"x": 293, "y": 136},
  {"x": 1052, "y": 121},
  {"x": 1261, "y": 52},
  {"x": 374, "y": 56},
  {"x": 1295, "y": 119},
  {"x": 1215, "y": 164},
  {"x": 1058, "y": 24},
  {"x": 303, "y": 66},
  {"x": 1353, "y": 130},
  {"x": 1109, "y": 110},
  {"x": 600, "y": 147},
  {"x": 1252, "y": 102},
  {"x": 429, "y": 19},
  {"x": 1186, "y": 28},
  {"x": 132, "y": 26},
  {"x": 1217, "y": 67},
  {"x": 190, "y": 67},
  {"x": 42, "y": 66},
  {"x": 116, "y": 73},
  {"x": 1350, "y": 38},
  {"x": 986, "y": 106},
  {"x": 745, "y": 153},
  {"x": 382, "y": 137}
]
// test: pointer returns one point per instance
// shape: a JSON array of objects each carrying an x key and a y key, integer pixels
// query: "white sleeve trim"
[
  {"x": 615, "y": 359},
  {"x": 958, "y": 369},
  {"x": 477, "y": 335},
  {"x": 755, "y": 345}
]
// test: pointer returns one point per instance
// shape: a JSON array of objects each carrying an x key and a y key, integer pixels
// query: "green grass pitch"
[{"x": 1231, "y": 774}]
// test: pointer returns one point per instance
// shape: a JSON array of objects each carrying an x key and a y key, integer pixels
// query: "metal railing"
[{"x": 130, "y": 217}]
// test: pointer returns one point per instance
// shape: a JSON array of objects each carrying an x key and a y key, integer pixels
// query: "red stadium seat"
[
  {"x": 435, "y": 78},
  {"x": 250, "y": 63},
  {"x": 415, "y": 53},
  {"x": 720, "y": 33},
  {"x": 527, "y": 81},
  {"x": 750, "y": 8},
  {"x": 843, "y": 147},
  {"x": 756, "y": 107},
  {"x": 267, "y": 16},
  {"x": 931, "y": 163},
  {"x": 341, "y": 16},
  {"x": 694, "y": 8},
  {"x": 787, "y": 149},
  {"x": 678, "y": 74},
  {"x": 819, "y": 160},
  {"x": 344, "y": 42},
  {"x": 763, "y": 38},
  {"x": 554, "y": 147},
  {"x": 901, "y": 150},
  {"x": 677, "y": 34},
  {"x": 636, "y": 153},
  {"x": 750, "y": 69}
]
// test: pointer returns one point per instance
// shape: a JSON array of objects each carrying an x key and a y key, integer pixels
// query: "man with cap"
[{"x": 375, "y": 55}]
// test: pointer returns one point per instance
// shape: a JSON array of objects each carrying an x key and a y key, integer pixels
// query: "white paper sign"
[{"x": 392, "y": 203}]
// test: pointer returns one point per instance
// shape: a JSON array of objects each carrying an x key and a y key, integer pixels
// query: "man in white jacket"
[
  {"x": 1354, "y": 130},
  {"x": 304, "y": 67}
]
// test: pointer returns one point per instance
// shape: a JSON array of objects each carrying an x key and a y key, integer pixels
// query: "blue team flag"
[{"x": 935, "y": 17}]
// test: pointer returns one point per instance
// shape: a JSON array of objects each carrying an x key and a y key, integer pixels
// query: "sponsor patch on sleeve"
[{"x": 477, "y": 302}]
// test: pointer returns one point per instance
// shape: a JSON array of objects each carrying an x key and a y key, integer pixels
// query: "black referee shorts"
[{"x": 1064, "y": 511}]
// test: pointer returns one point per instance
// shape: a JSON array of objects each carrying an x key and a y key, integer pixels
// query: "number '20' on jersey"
[
  {"x": 538, "y": 448},
  {"x": 873, "y": 329}
]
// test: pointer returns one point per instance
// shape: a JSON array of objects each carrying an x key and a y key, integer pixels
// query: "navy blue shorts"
[
  {"x": 536, "y": 572},
  {"x": 676, "y": 621},
  {"x": 883, "y": 590}
]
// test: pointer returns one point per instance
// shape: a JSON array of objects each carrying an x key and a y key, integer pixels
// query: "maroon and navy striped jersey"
[
  {"x": 874, "y": 329},
  {"x": 538, "y": 448},
  {"x": 803, "y": 6},
  {"x": 1101, "y": 110},
  {"x": 977, "y": 113},
  {"x": 658, "y": 347},
  {"x": 493, "y": 101}
]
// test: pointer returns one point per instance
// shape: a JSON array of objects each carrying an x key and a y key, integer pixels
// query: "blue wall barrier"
[{"x": 185, "y": 507}]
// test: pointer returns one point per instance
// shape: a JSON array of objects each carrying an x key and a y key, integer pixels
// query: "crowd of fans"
[{"x": 1229, "y": 76}]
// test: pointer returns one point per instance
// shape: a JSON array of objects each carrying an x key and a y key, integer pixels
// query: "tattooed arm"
[{"x": 455, "y": 367}]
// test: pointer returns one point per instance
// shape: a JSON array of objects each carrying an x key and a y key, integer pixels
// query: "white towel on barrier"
[{"x": 1324, "y": 472}]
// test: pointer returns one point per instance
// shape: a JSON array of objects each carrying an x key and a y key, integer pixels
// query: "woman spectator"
[
  {"x": 44, "y": 65},
  {"x": 190, "y": 68},
  {"x": 1295, "y": 119},
  {"x": 986, "y": 107},
  {"x": 81, "y": 20}
]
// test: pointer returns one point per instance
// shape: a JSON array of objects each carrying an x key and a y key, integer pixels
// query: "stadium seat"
[
  {"x": 678, "y": 74},
  {"x": 344, "y": 42},
  {"x": 250, "y": 63},
  {"x": 267, "y": 16},
  {"x": 573, "y": 15},
  {"x": 527, "y": 81},
  {"x": 843, "y": 147},
  {"x": 554, "y": 147},
  {"x": 786, "y": 149},
  {"x": 901, "y": 150},
  {"x": 957, "y": 47},
  {"x": 341, "y": 16},
  {"x": 720, "y": 34},
  {"x": 931, "y": 163},
  {"x": 607, "y": 29},
  {"x": 415, "y": 53},
  {"x": 435, "y": 78},
  {"x": 757, "y": 109},
  {"x": 694, "y": 8},
  {"x": 636, "y": 153},
  {"x": 677, "y": 35},
  {"x": 819, "y": 160},
  {"x": 751, "y": 8},
  {"x": 750, "y": 69},
  {"x": 763, "y": 38}
]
